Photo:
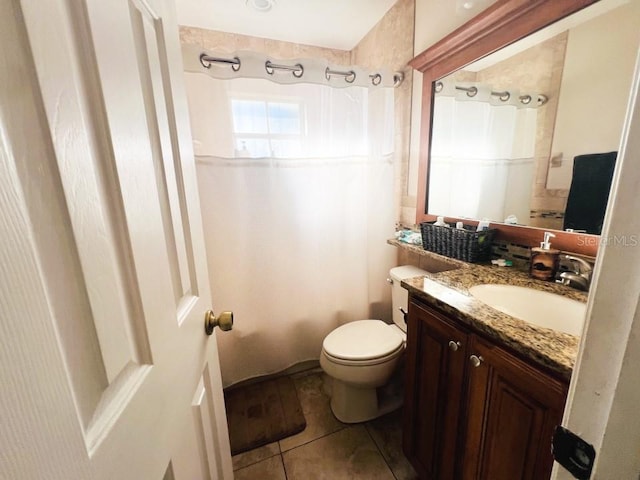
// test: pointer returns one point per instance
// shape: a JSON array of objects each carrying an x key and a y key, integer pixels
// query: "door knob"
[
  {"x": 476, "y": 360},
  {"x": 224, "y": 321},
  {"x": 454, "y": 345}
]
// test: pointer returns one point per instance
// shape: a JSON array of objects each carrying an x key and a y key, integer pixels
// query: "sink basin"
[{"x": 534, "y": 306}]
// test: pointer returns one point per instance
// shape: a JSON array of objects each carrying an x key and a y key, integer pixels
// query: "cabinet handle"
[
  {"x": 454, "y": 346},
  {"x": 476, "y": 360}
]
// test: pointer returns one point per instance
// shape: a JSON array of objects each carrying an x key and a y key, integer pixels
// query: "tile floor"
[{"x": 328, "y": 448}]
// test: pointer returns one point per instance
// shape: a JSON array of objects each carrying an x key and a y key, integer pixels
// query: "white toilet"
[{"x": 361, "y": 356}]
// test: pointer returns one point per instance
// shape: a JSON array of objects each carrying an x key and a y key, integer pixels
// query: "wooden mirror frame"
[{"x": 505, "y": 22}]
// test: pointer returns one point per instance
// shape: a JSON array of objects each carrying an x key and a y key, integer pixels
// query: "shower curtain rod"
[
  {"x": 297, "y": 70},
  {"x": 503, "y": 96}
]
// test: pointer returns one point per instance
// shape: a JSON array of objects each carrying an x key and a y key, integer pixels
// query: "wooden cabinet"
[
  {"x": 436, "y": 359},
  {"x": 473, "y": 410}
]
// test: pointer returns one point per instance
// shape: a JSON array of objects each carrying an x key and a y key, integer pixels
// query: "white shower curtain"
[
  {"x": 482, "y": 155},
  {"x": 296, "y": 240}
]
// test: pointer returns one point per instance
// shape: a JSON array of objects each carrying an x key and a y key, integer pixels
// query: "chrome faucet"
[{"x": 579, "y": 277}]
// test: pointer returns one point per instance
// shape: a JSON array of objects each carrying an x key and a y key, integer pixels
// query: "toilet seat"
[
  {"x": 363, "y": 363},
  {"x": 363, "y": 342}
]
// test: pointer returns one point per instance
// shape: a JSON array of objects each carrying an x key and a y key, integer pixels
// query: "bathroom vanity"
[{"x": 484, "y": 390}]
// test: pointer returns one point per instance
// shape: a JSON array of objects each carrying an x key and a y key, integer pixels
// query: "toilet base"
[{"x": 352, "y": 404}]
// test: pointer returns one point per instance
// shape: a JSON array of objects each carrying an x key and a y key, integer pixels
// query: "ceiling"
[{"x": 337, "y": 24}]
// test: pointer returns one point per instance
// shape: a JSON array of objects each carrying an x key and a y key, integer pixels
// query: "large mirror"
[{"x": 507, "y": 126}]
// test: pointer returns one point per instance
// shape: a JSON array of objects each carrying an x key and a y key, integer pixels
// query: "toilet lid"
[{"x": 362, "y": 340}]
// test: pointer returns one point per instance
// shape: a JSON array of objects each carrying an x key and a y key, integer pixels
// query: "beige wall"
[
  {"x": 230, "y": 42},
  {"x": 390, "y": 43}
]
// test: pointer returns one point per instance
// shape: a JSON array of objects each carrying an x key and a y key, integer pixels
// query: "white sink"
[{"x": 534, "y": 306}]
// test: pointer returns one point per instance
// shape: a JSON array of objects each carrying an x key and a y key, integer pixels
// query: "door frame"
[{"x": 604, "y": 392}]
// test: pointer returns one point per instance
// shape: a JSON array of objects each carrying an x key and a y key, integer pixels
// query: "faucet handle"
[
  {"x": 575, "y": 280},
  {"x": 584, "y": 268}
]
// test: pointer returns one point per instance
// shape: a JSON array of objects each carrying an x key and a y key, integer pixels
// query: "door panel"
[
  {"x": 204, "y": 417},
  {"x": 113, "y": 256},
  {"x": 434, "y": 389},
  {"x": 516, "y": 421},
  {"x": 517, "y": 407},
  {"x": 161, "y": 123}
]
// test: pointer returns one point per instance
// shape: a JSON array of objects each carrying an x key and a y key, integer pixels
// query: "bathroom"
[
  {"x": 262, "y": 306},
  {"x": 283, "y": 275}
]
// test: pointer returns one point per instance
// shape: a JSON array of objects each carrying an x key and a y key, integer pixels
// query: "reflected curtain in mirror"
[{"x": 482, "y": 152}]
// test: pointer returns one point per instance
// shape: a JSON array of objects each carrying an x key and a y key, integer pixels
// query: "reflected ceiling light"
[
  {"x": 464, "y": 7},
  {"x": 261, "y": 5}
]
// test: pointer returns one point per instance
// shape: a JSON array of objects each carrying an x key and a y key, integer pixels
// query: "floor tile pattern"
[{"x": 327, "y": 448}]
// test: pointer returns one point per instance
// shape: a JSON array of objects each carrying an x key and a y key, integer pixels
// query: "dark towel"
[{"x": 589, "y": 192}]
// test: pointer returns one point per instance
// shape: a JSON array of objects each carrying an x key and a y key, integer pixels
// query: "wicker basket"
[{"x": 463, "y": 244}]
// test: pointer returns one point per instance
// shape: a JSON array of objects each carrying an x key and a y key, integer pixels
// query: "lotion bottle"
[
  {"x": 440, "y": 222},
  {"x": 544, "y": 260}
]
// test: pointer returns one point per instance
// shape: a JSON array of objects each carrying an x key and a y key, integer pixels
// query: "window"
[{"x": 264, "y": 128}]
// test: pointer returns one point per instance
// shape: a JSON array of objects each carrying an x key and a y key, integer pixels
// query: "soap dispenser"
[{"x": 544, "y": 259}]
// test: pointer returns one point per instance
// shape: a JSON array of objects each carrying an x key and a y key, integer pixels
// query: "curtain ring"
[
  {"x": 472, "y": 92},
  {"x": 438, "y": 87},
  {"x": 267, "y": 66},
  {"x": 206, "y": 61},
  {"x": 504, "y": 97},
  {"x": 203, "y": 62},
  {"x": 542, "y": 99},
  {"x": 376, "y": 79},
  {"x": 298, "y": 73},
  {"x": 351, "y": 77},
  {"x": 525, "y": 99}
]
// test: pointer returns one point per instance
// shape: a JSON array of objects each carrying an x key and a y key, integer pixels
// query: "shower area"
[{"x": 298, "y": 189}]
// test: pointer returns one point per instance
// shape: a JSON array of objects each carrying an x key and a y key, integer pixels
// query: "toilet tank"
[{"x": 399, "y": 295}]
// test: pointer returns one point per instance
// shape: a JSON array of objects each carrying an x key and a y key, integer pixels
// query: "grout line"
[
  {"x": 284, "y": 467},
  {"x": 384, "y": 459},
  {"x": 257, "y": 461},
  {"x": 345, "y": 425}
]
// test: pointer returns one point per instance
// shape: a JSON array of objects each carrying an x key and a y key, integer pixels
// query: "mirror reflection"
[{"x": 529, "y": 134}]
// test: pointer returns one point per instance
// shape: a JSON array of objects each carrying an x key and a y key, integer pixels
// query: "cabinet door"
[
  {"x": 436, "y": 357},
  {"x": 512, "y": 410}
]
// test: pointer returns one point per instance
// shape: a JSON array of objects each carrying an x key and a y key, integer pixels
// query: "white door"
[{"x": 105, "y": 369}]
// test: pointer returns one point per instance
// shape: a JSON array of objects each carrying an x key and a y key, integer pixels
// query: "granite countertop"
[{"x": 449, "y": 291}]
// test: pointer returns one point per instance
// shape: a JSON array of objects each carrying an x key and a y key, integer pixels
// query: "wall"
[
  {"x": 390, "y": 43},
  {"x": 229, "y": 42},
  {"x": 595, "y": 88}
]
